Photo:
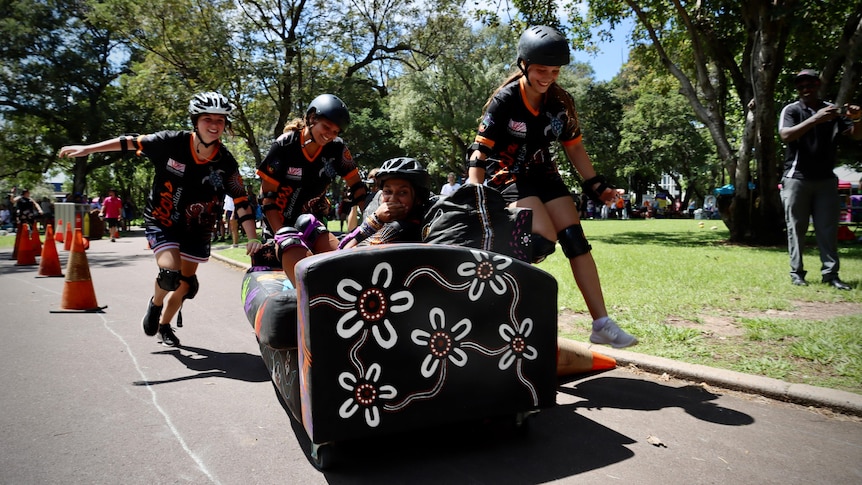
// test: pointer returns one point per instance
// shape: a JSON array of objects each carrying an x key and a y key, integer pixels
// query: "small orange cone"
[
  {"x": 49, "y": 265},
  {"x": 26, "y": 252},
  {"x": 78, "y": 292},
  {"x": 575, "y": 358},
  {"x": 67, "y": 245},
  {"x": 35, "y": 242},
  {"x": 58, "y": 236}
]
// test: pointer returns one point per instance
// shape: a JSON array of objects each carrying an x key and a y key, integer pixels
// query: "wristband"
[
  {"x": 374, "y": 222},
  {"x": 255, "y": 240}
]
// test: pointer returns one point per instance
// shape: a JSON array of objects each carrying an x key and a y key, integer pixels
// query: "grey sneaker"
[
  {"x": 168, "y": 337},
  {"x": 611, "y": 334},
  {"x": 151, "y": 319}
]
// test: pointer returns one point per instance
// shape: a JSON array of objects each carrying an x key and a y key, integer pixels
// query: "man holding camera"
[{"x": 809, "y": 188}]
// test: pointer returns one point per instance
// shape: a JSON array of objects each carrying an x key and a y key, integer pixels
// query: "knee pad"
[
  {"x": 573, "y": 241},
  {"x": 286, "y": 238},
  {"x": 168, "y": 279},
  {"x": 542, "y": 248},
  {"x": 194, "y": 286},
  {"x": 311, "y": 228}
]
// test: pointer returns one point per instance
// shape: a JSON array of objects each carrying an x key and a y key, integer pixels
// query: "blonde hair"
[{"x": 296, "y": 124}]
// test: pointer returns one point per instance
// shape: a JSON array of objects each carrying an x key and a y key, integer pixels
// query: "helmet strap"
[
  {"x": 199, "y": 141},
  {"x": 523, "y": 66},
  {"x": 310, "y": 124},
  {"x": 310, "y": 139}
]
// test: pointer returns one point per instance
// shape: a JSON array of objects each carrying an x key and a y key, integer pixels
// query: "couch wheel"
[
  {"x": 321, "y": 455},
  {"x": 521, "y": 422}
]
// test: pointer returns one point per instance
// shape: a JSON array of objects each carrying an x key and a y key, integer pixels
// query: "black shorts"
[
  {"x": 112, "y": 221},
  {"x": 546, "y": 187},
  {"x": 194, "y": 245}
]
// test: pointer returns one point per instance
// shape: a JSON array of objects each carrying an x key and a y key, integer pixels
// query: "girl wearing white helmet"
[
  {"x": 193, "y": 173},
  {"x": 295, "y": 175},
  {"x": 523, "y": 117}
]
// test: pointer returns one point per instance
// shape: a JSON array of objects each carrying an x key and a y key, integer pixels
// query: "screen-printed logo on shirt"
[
  {"x": 555, "y": 123},
  {"x": 517, "y": 128},
  {"x": 487, "y": 122},
  {"x": 294, "y": 172},
  {"x": 176, "y": 167}
]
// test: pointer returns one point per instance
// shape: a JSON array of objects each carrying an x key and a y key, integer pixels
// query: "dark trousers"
[{"x": 816, "y": 200}]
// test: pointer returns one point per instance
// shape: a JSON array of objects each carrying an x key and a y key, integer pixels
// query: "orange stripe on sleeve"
[
  {"x": 266, "y": 177},
  {"x": 573, "y": 141},
  {"x": 485, "y": 141}
]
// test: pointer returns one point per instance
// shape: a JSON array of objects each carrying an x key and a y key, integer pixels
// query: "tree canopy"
[{"x": 698, "y": 99}]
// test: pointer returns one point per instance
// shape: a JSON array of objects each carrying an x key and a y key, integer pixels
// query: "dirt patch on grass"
[{"x": 727, "y": 326}]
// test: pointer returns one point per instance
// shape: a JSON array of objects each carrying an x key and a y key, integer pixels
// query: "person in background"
[
  {"x": 343, "y": 208},
  {"x": 355, "y": 213},
  {"x": 193, "y": 172},
  {"x": 47, "y": 206},
  {"x": 9, "y": 202},
  {"x": 128, "y": 215},
  {"x": 231, "y": 221},
  {"x": 450, "y": 186},
  {"x": 112, "y": 213},
  {"x": 295, "y": 175},
  {"x": 5, "y": 217},
  {"x": 27, "y": 210},
  {"x": 809, "y": 188},
  {"x": 522, "y": 118}
]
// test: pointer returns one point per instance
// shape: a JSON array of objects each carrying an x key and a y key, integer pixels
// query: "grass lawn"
[{"x": 690, "y": 296}]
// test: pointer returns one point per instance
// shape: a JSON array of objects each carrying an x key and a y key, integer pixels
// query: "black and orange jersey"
[
  {"x": 302, "y": 179},
  {"x": 187, "y": 192},
  {"x": 516, "y": 138}
]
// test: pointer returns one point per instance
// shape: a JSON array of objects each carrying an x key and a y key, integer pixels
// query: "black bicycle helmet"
[
  {"x": 331, "y": 108},
  {"x": 543, "y": 45}
]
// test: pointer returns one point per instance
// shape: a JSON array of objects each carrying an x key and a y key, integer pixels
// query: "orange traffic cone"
[
  {"x": 35, "y": 242},
  {"x": 67, "y": 245},
  {"x": 17, "y": 242},
  {"x": 78, "y": 292},
  {"x": 26, "y": 252},
  {"x": 50, "y": 262},
  {"x": 575, "y": 358},
  {"x": 58, "y": 236}
]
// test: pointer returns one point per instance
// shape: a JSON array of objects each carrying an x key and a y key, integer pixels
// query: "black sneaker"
[
  {"x": 168, "y": 337},
  {"x": 151, "y": 318}
]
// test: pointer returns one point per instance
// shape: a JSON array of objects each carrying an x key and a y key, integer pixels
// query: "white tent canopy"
[{"x": 847, "y": 174}]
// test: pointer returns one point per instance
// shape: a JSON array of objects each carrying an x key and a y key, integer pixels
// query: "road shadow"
[
  {"x": 641, "y": 395},
  {"x": 555, "y": 444},
  {"x": 209, "y": 363}
]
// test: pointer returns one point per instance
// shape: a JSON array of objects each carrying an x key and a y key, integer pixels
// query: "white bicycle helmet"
[{"x": 211, "y": 103}]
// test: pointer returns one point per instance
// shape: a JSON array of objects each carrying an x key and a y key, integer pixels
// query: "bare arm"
[
  {"x": 580, "y": 160},
  {"x": 112, "y": 145},
  {"x": 476, "y": 175}
]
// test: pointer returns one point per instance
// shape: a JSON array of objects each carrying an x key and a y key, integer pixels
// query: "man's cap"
[{"x": 806, "y": 73}]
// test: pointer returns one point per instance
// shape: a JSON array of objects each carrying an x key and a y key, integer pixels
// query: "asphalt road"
[{"x": 88, "y": 398}]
